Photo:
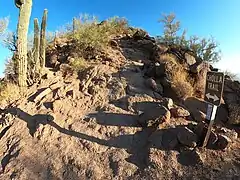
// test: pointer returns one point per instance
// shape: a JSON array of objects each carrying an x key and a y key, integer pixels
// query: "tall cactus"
[
  {"x": 74, "y": 24},
  {"x": 43, "y": 39},
  {"x": 36, "y": 47},
  {"x": 25, "y": 8}
]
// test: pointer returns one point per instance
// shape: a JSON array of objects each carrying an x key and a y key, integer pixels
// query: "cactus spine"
[
  {"x": 36, "y": 47},
  {"x": 22, "y": 32},
  {"x": 43, "y": 39}
]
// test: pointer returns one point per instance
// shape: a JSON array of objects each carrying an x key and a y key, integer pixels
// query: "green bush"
[
  {"x": 78, "y": 64},
  {"x": 89, "y": 34}
]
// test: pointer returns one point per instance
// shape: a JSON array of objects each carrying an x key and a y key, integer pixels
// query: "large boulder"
[
  {"x": 152, "y": 117},
  {"x": 190, "y": 60},
  {"x": 231, "y": 96},
  {"x": 151, "y": 83},
  {"x": 201, "y": 74},
  {"x": 187, "y": 137}
]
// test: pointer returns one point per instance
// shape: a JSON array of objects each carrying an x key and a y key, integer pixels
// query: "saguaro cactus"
[
  {"x": 25, "y": 8},
  {"x": 74, "y": 24},
  {"x": 36, "y": 46},
  {"x": 43, "y": 39}
]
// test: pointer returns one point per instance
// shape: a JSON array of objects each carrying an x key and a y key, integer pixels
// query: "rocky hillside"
[{"x": 131, "y": 111}]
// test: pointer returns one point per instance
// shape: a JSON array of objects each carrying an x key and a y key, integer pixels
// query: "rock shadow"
[
  {"x": 114, "y": 119},
  {"x": 12, "y": 152}
]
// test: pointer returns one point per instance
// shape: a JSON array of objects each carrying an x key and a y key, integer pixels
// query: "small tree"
[
  {"x": 206, "y": 49},
  {"x": 170, "y": 27}
]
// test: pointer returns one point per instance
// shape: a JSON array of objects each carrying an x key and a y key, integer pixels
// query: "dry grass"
[
  {"x": 9, "y": 92},
  {"x": 167, "y": 58},
  {"x": 181, "y": 83}
]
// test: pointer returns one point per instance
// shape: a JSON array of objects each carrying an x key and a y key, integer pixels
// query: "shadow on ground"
[{"x": 138, "y": 144}]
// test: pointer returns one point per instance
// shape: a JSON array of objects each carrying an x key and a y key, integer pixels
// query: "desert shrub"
[
  {"x": 79, "y": 64},
  {"x": 183, "y": 89},
  {"x": 179, "y": 77},
  {"x": 89, "y": 34},
  {"x": 181, "y": 83},
  {"x": 9, "y": 92},
  {"x": 10, "y": 70}
]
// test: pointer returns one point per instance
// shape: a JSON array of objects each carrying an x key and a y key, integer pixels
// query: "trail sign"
[
  {"x": 214, "y": 87},
  {"x": 213, "y": 95}
]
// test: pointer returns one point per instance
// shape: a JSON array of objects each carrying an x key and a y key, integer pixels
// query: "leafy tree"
[{"x": 204, "y": 48}]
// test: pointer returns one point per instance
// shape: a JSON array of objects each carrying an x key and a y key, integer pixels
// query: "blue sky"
[{"x": 219, "y": 18}]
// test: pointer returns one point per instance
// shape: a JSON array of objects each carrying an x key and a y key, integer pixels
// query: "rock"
[
  {"x": 200, "y": 79},
  {"x": 187, "y": 137},
  {"x": 232, "y": 134},
  {"x": 179, "y": 112},
  {"x": 190, "y": 60},
  {"x": 6, "y": 119},
  {"x": 116, "y": 89},
  {"x": 198, "y": 116},
  {"x": 201, "y": 130},
  {"x": 140, "y": 34},
  {"x": 169, "y": 140},
  {"x": 158, "y": 51},
  {"x": 159, "y": 70},
  {"x": 57, "y": 106},
  {"x": 190, "y": 157},
  {"x": 53, "y": 61},
  {"x": 149, "y": 69},
  {"x": 70, "y": 60},
  {"x": 153, "y": 117},
  {"x": 66, "y": 70},
  {"x": 213, "y": 138},
  {"x": 223, "y": 142},
  {"x": 231, "y": 96},
  {"x": 151, "y": 83},
  {"x": 196, "y": 67},
  {"x": 131, "y": 90},
  {"x": 114, "y": 43},
  {"x": 168, "y": 102},
  {"x": 157, "y": 96},
  {"x": 147, "y": 45}
]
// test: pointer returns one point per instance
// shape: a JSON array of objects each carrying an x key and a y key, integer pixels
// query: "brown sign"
[{"x": 214, "y": 87}]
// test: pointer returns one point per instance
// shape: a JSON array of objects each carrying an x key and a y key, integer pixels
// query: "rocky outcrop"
[{"x": 231, "y": 95}]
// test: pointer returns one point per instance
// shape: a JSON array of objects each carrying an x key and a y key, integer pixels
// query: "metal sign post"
[
  {"x": 211, "y": 113},
  {"x": 213, "y": 95}
]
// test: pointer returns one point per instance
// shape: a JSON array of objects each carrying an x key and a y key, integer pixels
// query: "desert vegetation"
[{"x": 102, "y": 100}]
